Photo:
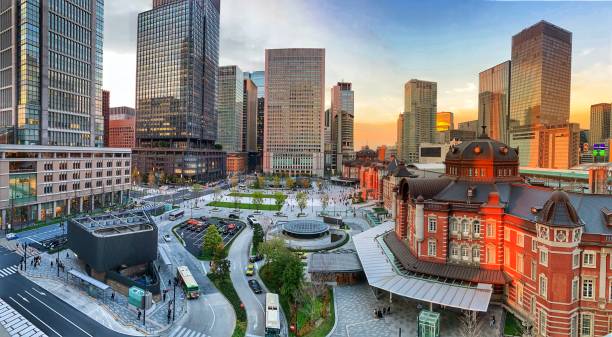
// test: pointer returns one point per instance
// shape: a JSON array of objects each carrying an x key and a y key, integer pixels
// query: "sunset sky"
[{"x": 379, "y": 45}]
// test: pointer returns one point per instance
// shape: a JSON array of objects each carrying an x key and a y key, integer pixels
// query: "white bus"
[
  {"x": 176, "y": 215},
  {"x": 272, "y": 315},
  {"x": 186, "y": 280}
]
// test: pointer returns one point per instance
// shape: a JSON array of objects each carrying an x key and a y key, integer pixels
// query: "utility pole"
[
  {"x": 25, "y": 256},
  {"x": 144, "y": 306},
  {"x": 174, "y": 300}
]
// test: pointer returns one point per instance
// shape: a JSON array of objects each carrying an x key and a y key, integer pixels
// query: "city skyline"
[{"x": 378, "y": 70}]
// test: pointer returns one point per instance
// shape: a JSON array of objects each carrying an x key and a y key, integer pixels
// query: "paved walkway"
[
  {"x": 355, "y": 307},
  {"x": 15, "y": 324}
]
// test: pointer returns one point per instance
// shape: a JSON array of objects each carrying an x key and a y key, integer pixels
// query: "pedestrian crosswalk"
[
  {"x": 8, "y": 271},
  {"x": 15, "y": 324},
  {"x": 184, "y": 332}
]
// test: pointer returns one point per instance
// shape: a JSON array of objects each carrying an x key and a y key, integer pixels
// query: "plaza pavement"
[{"x": 355, "y": 307}]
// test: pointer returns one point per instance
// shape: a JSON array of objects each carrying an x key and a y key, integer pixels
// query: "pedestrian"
[
  {"x": 67, "y": 256},
  {"x": 169, "y": 283},
  {"x": 169, "y": 314},
  {"x": 384, "y": 311},
  {"x": 389, "y": 310},
  {"x": 113, "y": 296},
  {"x": 375, "y": 313},
  {"x": 51, "y": 264},
  {"x": 164, "y": 296},
  {"x": 139, "y": 314}
]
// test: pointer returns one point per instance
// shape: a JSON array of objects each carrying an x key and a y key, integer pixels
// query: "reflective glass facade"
[
  {"x": 55, "y": 75},
  {"x": 494, "y": 101},
  {"x": 419, "y": 123},
  {"x": 541, "y": 76},
  {"x": 177, "y": 61}
]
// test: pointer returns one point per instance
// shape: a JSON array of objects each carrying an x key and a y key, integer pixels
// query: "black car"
[
  {"x": 204, "y": 218},
  {"x": 254, "y": 285},
  {"x": 255, "y": 258},
  {"x": 234, "y": 216}
]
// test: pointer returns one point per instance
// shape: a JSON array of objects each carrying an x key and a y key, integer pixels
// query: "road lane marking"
[
  {"x": 23, "y": 298},
  {"x": 62, "y": 316},
  {"x": 38, "y": 291},
  {"x": 28, "y": 311},
  {"x": 214, "y": 317}
]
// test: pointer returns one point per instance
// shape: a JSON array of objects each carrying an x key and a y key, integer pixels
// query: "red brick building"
[
  {"x": 121, "y": 132},
  {"x": 545, "y": 253},
  {"x": 236, "y": 163}
]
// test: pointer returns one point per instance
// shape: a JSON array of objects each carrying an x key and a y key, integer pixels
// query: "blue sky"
[{"x": 379, "y": 45}]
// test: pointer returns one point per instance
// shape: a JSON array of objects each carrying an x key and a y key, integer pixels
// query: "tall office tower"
[
  {"x": 121, "y": 130},
  {"x": 494, "y": 101},
  {"x": 230, "y": 98},
  {"x": 258, "y": 77},
  {"x": 293, "y": 117},
  {"x": 327, "y": 141},
  {"x": 401, "y": 140},
  {"x": 106, "y": 114},
  {"x": 601, "y": 123},
  {"x": 249, "y": 116},
  {"x": 176, "y": 90},
  {"x": 419, "y": 126},
  {"x": 343, "y": 119},
  {"x": 51, "y": 123},
  {"x": 52, "y": 84},
  {"x": 540, "y": 86},
  {"x": 444, "y": 121}
]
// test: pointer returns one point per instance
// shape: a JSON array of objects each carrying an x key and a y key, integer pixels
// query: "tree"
[
  {"x": 279, "y": 199},
  {"x": 151, "y": 178},
  {"x": 273, "y": 249},
  {"x": 258, "y": 236},
  {"x": 469, "y": 326},
  {"x": 212, "y": 241},
  {"x": 276, "y": 180},
  {"x": 261, "y": 182},
  {"x": 257, "y": 199},
  {"x": 302, "y": 200},
  {"x": 222, "y": 268},
  {"x": 292, "y": 277},
  {"x": 324, "y": 201},
  {"x": 290, "y": 182}
]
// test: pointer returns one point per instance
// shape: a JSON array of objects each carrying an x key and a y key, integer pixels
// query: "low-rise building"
[
  {"x": 40, "y": 182},
  {"x": 236, "y": 163}
]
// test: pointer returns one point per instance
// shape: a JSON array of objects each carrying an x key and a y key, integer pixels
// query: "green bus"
[{"x": 189, "y": 284}]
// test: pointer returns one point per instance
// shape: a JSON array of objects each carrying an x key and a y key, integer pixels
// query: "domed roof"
[
  {"x": 366, "y": 153},
  {"x": 559, "y": 211},
  {"x": 482, "y": 148}
]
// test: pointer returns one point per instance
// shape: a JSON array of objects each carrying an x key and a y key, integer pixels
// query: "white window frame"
[
  {"x": 507, "y": 234},
  {"x": 574, "y": 325},
  {"x": 520, "y": 239},
  {"x": 519, "y": 293},
  {"x": 429, "y": 248},
  {"x": 534, "y": 269},
  {"x": 543, "y": 257},
  {"x": 476, "y": 257},
  {"x": 490, "y": 254},
  {"x": 432, "y": 220},
  {"x": 476, "y": 231},
  {"x": 466, "y": 249},
  {"x": 543, "y": 286},
  {"x": 592, "y": 263},
  {"x": 534, "y": 244},
  {"x": 582, "y": 325},
  {"x": 575, "y": 288},
  {"x": 490, "y": 230},
  {"x": 584, "y": 294},
  {"x": 520, "y": 263},
  {"x": 542, "y": 322},
  {"x": 576, "y": 259},
  {"x": 465, "y": 230}
]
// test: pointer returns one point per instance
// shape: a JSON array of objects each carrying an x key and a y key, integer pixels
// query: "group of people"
[{"x": 380, "y": 313}]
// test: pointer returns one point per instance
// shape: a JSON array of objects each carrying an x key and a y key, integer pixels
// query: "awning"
[
  {"x": 164, "y": 256},
  {"x": 382, "y": 273},
  {"x": 88, "y": 279}
]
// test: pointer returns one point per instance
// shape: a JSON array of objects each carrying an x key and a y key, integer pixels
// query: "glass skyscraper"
[
  {"x": 176, "y": 89},
  {"x": 419, "y": 122},
  {"x": 51, "y": 72},
  {"x": 494, "y": 101},
  {"x": 342, "y": 123},
  {"x": 230, "y": 95}
]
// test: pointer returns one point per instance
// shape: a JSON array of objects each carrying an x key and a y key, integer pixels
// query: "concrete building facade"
[
  {"x": 231, "y": 99},
  {"x": 342, "y": 123},
  {"x": 600, "y": 124},
  {"x": 294, "y": 105},
  {"x": 419, "y": 120}
]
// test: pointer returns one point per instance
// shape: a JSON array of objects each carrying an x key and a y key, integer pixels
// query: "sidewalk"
[{"x": 115, "y": 314}]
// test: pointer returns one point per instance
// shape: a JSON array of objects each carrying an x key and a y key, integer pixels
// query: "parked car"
[
  {"x": 167, "y": 238},
  {"x": 204, "y": 218},
  {"x": 255, "y": 258},
  {"x": 234, "y": 216},
  {"x": 254, "y": 285},
  {"x": 11, "y": 236},
  {"x": 250, "y": 269}
]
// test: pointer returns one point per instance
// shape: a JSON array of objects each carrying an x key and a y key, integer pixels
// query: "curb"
[{"x": 333, "y": 329}]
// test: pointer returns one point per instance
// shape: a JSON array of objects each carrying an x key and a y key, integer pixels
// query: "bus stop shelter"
[{"x": 93, "y": 287}]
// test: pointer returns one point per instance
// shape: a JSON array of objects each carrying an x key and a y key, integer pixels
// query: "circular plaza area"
[{"x": 305, "y": 229}]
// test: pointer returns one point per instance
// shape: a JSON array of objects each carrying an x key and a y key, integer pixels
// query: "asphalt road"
[
  {"x": 253, "y": 303},
  {"x": 47, "y": 312},
  {"x": 211, "y": 314}
]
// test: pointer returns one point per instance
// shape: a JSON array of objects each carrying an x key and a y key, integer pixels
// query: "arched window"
[
  {"x": 454, "y": 224},
  {"x": 476, "y": 253},
  {"x": 465, "y": 226},
  {"x": 454, "y": 251},
  {"x": 476, "y": 227},
  {"x": 464, "y": 252}
]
